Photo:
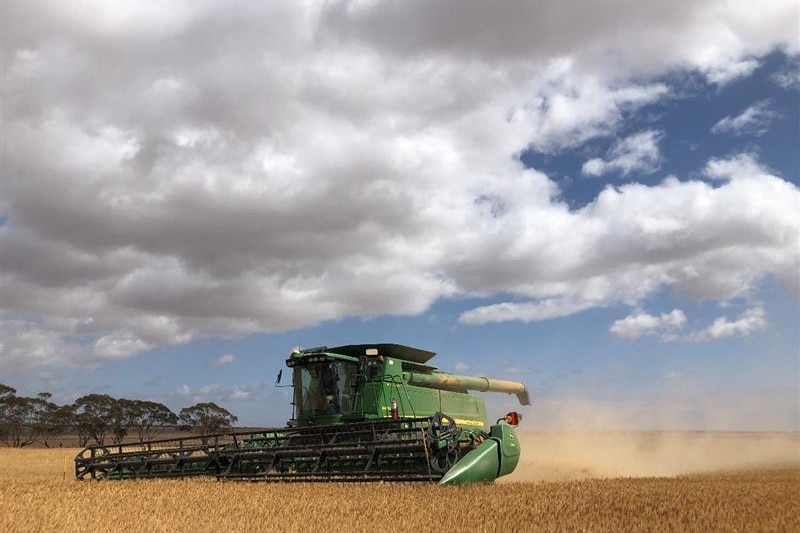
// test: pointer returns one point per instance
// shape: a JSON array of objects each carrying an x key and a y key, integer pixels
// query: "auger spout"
[{"x": 457, "y": 383}]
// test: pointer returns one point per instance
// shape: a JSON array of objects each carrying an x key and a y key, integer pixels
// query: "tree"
[
  {"x": 20, "y": 416},
  {"x": 147, "y": 418},
  {"x": 16, "y": 415},
  {"x": 207, "y": 417},
  {"x": 6, "y": 391},
  {"x": 19, "y": 419},
  {"x": 97, "y": 416},
  {"x": 54, "y": 421}
]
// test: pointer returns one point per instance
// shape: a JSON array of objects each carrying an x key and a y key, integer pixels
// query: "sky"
[{"x": 598, "y": 199}]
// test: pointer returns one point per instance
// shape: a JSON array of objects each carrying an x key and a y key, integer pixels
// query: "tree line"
[{"x": 99, "y": 418}]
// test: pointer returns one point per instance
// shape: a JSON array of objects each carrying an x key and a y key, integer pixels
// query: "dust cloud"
[{"x": 565, "y": 455}]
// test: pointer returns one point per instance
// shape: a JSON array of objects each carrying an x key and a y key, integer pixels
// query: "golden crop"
[{"x": 34, "y": 496}]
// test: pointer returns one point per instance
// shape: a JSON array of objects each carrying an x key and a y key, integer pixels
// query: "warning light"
[{"x": 513, "y": 418}]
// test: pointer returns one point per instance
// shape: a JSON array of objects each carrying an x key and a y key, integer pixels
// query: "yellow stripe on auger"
[
  {"x": 474, "y": 423},
  {"x": 458, "y": 421}
]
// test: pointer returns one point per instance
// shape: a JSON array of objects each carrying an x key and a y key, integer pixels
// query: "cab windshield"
[{"x": 324, "y": 388}]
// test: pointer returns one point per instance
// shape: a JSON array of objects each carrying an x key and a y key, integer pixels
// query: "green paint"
[
  {"x": 343, "y": 400},
  {"x": 509, "y": 447},
  {"x": 359, "y": 382},
  {"x": 479, "y": 465}
]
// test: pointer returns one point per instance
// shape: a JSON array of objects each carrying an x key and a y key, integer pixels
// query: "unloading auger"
[{"x": 360, "y": 412}]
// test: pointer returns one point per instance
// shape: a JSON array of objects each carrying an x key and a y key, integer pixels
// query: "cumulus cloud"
[
  {"x": 206, "y": 390},
  {"x": 638, "y": 153},
  {"x": 26, "y": 342},
  {"x": 640, "y": 323},
  {"x": 524, "y": 312},
  {"x": 119, "y": 346},
  {"x": 704, "y": 241},
  {"x": 788, "y": 79},
  {"x": 225, "y": 359},
  {"x": 748, "y": 322},
  {"x": 517, "y": 370},
  {"x": 723, "y": 70},
  {"x": 754, "y": 120},
  {"x": 668, "y": 326},
  {"x": 190, "y": 169},
  {"x": 720, "y": 39},
  {"x": 183, "y": 392},
  {"x": 462, "y": 366},
  {"x": 214, "y": 392},
  {"x": 571, "y": 107}
]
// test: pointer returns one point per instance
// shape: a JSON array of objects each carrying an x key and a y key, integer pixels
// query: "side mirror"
[{"x": 278, "y": 379}]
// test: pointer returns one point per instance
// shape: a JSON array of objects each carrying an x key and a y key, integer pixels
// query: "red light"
[{"x": 513, "y": 418}]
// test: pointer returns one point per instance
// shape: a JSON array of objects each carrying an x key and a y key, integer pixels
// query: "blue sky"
[
  {"x": 689, "y": 115},
  {"x": 189, "y": 192}
]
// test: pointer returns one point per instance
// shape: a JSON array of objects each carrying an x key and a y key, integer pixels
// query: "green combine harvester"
[{"x": 360, "y": 413}]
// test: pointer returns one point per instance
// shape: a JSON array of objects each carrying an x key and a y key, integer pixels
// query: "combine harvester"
[{"x": 361, "y": 412}]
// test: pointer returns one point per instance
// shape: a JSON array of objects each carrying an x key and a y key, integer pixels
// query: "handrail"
[{"x": 393, "y": 380}]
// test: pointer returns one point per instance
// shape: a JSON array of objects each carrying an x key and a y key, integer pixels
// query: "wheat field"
[{"x": 37, "y": 493}]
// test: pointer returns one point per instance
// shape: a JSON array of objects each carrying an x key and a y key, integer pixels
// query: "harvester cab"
[
  {"x": 324, "y": 385},
  {"x": 360, "y": 412}
]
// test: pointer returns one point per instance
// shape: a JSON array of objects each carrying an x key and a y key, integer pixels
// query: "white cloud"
[
  {"x": 268, "y": 166},
  {"x": 182, "y": 392},
  {"x": 206, "y": 390},
  {"x": 517, "y": 370},
  {"x": 739, "y": 167},
  {"x": 788, "y": 79},
  {"x": 725, "y": 70},
  {"x": 225, "y": 359},
  {"x": 747, "y": 323},
  {"x": 214, "y": 392},
  {"x": 706, "y": 242},
  {"x": 119, "y": 346},
  {"x": 571, "y": 108},
  {"x": 27, "y": 343},
  {"x": 640, "y": 324},
  {"x": 754, "y": 120},
  {"x": 525, "y": 312},
  {"x": 638, "y": 153},
  {"x": 461, "y": 366},
  {"x": 240, "y": 393}
]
